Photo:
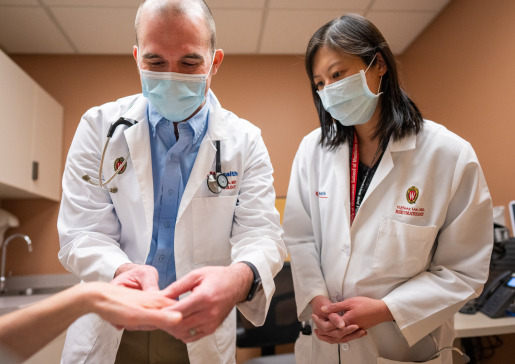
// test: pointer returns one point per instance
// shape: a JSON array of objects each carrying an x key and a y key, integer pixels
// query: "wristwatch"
[{"x": 256, "y": 283}]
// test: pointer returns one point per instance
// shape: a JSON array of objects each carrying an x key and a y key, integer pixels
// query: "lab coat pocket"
[
  {"x": 402, "y": 250},
  {"x": 303, "y": 349},
  {"x": 387, "y": 361},
  {"x": 212, "y": 226}
]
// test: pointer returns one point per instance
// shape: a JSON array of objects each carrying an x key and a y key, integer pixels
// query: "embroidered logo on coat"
[
  {"x": 321, "y": 194},
  {"x": 117, "y": 163},
  {"x": 412, "y": 195}
]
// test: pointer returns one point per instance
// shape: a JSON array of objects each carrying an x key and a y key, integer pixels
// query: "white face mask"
[
  {"x": 349, "y": 100},
  {"x": 175, "y": 96}
]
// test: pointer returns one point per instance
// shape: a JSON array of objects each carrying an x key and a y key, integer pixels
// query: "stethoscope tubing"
[
  {"x": 214, "y": 180},
  {"x": 102, "y": 165}
]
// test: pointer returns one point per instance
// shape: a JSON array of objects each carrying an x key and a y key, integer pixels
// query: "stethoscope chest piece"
[
  {"x": 222, "y": 180},
  {"x": 218, "y": 181}
]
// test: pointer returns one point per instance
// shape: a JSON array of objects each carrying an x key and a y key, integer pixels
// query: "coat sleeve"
[
  {"x": 256, "y": 231},
  {"x": 460, "y": 264},
  {"x": 88, "y": 227},
  {"x": 308, "y": 279}
]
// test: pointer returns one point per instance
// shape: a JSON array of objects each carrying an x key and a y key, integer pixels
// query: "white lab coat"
[
  {"x": 99, "y": 231},
  {"x": 424, "y": 260}
]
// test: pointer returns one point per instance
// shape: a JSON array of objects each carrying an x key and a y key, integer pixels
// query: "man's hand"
[
  {"x": 331, "y": 326},
  {"x": 363, "y": 312},
  {"x": 129, "y": 308},
  {"x": 136, "y": 276},
  {"x": 214, "y": 293}
]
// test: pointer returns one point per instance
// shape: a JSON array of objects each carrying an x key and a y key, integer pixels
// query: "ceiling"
[{"x": 243, "y": 26}]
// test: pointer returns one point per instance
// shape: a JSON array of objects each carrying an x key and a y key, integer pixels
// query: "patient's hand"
[{"x": 130, "y": 308}]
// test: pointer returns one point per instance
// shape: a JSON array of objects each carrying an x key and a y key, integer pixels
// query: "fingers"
[
  {"x": 183, "y": 285},
  {"x": 323, "y": 324},
  {"x": 336, "y": 320},
  {"x": 191, "y": 305},
  {"x": 182, "y": 331},
  {"x": 356, "y": 335},
  {"x": 148, "y": 279},
  {"x": 198, "y": 335},
  {"x": 125, "y": 283},
  {"x": 152, "y": 319},
  {"x": 142, "y": 277},
  {"x": 335, "y": 307},
  {"x": 327, "y": 339},
  {"x": 340, "y": 333}
]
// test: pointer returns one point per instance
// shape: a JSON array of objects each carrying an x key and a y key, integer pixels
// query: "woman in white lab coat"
[{"x": 388, "y": 218}]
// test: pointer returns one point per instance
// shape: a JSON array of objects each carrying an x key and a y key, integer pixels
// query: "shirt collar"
[
  {"x": 197, "y": 124},
  {"x": 153, "y": 116},
  {"x": 199, "y": 121}
]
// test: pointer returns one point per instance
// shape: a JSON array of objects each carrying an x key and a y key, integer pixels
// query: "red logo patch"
[
  {"x": 118, "y": 163},
  {"x": 412, "y": 195}
]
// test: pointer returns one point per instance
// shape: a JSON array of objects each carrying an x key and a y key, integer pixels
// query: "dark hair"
[{"x": 355, "y": 35}]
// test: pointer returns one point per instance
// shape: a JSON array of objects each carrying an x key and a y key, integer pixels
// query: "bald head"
[{"x": 174, "y": 8}]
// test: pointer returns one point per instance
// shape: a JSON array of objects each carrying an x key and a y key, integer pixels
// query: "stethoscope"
[
  {"x": 216, "y": 183},
  {"x": 103, "y": 185}
]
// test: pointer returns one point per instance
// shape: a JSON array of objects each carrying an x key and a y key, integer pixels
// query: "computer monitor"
[{"x": 511, "y": 207}]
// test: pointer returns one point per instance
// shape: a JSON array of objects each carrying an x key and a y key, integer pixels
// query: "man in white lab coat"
[{"x": 159, "y": 219}]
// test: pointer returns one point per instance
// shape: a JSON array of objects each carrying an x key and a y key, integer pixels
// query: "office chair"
[{"x": 281, "y": 325}]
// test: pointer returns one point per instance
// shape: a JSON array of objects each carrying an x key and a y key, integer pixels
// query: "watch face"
[{"x": 222, "y": 180}]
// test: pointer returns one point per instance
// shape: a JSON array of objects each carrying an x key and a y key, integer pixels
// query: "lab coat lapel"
[
  {"x": 216, "y": 130},
  {"x": 342, "y": 171},
  {"x": 138, "y": 140},
  {"x": 384, "y": 168},
  {"x": 342, "y": 228},
  {"x": 386, "y": 164}
]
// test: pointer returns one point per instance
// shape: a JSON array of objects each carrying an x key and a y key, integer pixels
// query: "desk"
[
  {"x": 481, "y": 325},
  {"x": 477, "y": 325}
]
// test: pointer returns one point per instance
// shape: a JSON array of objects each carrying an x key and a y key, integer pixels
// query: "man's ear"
[
  {"x": 381, "y": 64},
  {"x": 219, "y": 57},
  {"x": 135, "y": 53}
]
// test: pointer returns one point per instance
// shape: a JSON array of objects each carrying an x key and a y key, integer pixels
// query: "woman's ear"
[{"x": 381, "y": 65}]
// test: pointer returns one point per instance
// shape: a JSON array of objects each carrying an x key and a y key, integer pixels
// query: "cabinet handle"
[{"x": 35, "y": 170}]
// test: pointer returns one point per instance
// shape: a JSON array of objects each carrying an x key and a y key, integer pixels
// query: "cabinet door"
[
  {"x": 46, "y": 145},
  {"x": 16, "y": 118}
]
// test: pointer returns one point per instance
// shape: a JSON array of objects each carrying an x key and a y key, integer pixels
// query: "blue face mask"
[
  {"x": 175, "y": 96},
  {"x": 349, "y": 100}
]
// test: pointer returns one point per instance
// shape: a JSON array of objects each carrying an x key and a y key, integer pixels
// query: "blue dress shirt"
[{"x": 172, "y": 162}]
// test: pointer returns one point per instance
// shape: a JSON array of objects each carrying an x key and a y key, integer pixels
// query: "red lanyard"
[{"x": 354, "y": 177}]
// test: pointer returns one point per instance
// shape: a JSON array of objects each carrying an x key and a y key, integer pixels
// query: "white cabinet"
[
  {"x": 30, "y": 131},
  {"x": 16, "y": 119},
  {"x": 47, "y": 136}
]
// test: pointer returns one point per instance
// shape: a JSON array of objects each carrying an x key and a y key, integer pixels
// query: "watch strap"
[{"x": 256, "y": 283}]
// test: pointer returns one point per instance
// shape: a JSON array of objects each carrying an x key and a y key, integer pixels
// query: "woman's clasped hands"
[{"x": 348, "y": 320}]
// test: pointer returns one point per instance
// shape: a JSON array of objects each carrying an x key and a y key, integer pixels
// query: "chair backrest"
[{"x": 281, "y": 325}]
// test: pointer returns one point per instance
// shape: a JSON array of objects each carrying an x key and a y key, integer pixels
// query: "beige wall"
[
  {"x": 270, "y": 91},
  {"x": 460, "y": 72}
]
